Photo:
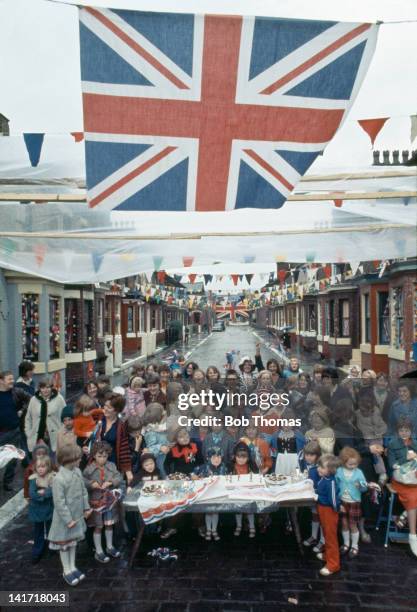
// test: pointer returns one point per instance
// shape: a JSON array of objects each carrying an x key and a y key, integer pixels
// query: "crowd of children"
[{"x": 124, "y": 439}]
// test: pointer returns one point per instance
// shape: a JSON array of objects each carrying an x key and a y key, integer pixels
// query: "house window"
[
  {"x": 384, "y": 332},
  {"x": 54, "y": 327},
  {"x": 107, "y": 317},
  {"x": 72, "y": 326},
  {"x": 311, "y": 317},
  {"x": 117, "y": 318},
  {"x": 331, "y": 318},
  {"x": 30, "y": 326},
  {"x": 141, "y": 318},
  {"x": 398, "y": 318},
  {"x": 153, "y": 318},
  {"x": 367, "y": 317},
  {"x": 319, "y": 319},
  {"x": 88, "y": 325},
  {"x": 130, "y": 320},
  {"x": 100, "y": 316},
  {"x": 344, "y": 328}
]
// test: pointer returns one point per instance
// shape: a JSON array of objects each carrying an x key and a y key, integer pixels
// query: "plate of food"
[
  {"x": 276, "y": 479},
  {"x": 178, "y": 476},
  {"x": 152, "y": 489}
]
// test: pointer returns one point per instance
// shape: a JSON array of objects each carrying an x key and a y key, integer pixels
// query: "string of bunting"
[{"x": 34, "y": 140}]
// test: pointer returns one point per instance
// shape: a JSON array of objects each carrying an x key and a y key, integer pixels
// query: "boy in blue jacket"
[{"x": 328, "y": 504}]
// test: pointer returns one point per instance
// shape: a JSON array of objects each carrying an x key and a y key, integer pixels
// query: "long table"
[{"x": 223, "y": 505}]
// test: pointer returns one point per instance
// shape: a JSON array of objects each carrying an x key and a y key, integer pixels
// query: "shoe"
[
  {"x": 412, "y": 540},
  {"x": 325, "y": 571},
  {"x": 101, "y": 557},
  {"x": 319, "y": 547},
  {"x": 238, "y": 531},
  {"x": 202, "y": 532},
  {"x": 79, "y": 575},
  {"x": 354, "y": 552},
  {"x": 113, "y": 552},
  {"x": 71, "y": 579},
  {"x": 309, "y": 542},
  {"x": 344, "y": 549},
  {"x": 252, "y": 533},
  {"x": 321, "y": 557},
  {"x": 365, "y": 537},
  {"x": 8, "y": 488},
  {"x": 168, "y": 533},
  {"x": 216, "y": 536},
  {"x": 208, "y": 536}
]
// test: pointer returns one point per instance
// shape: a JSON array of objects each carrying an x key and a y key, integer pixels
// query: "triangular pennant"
[
  {"x": 406, "y": 201},
  {"x": 192, "y": 278},
  {"x": 310, "y": 256},
  {"x": 281, "y": 276},
  {"x": 280, "y": 258},
  {"x": 235, "y": 279},
  {"x": 187, "y": 262},
  {"x": 161, "y": 275},
  {"x": 208, "y": 278},
  {"x": 40, "y": 252},
  {"x": 413, "y": 128},
  {"x": 33, "y": 144},
  {"x": 338, "y": 203},
  {"x": 97, "y": 260},
  {"x": 372, "y": 126},
  {"x": 7, "y": 247},
  {"x": 157, "y": 261},
  {"x": 240, "y": 277},
  {"x": 328, "y": 270},
  {"x": 249, "y": 278},
  {"x": 78, "y": 136}
]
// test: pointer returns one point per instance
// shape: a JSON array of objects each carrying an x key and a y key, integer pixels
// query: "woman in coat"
[{"x": 43, "y": 416}]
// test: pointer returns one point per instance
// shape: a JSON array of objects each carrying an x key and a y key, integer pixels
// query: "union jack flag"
[{"x": 211, "y": 113}]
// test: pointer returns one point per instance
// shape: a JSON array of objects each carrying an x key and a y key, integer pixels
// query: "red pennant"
[
  {"x": 192, "y": 277},
  {"x": 281, "y": 275},
  {"x": 40, "y": 252},
  {"x": 161, "y": 275},
  {"x": 187, "y": 262},
  {"x": 78, "y": 136},
  {"x": 338, "y": 203},
  {"x": 235, "y": 278},
  {"x": 372, "y": 126},
  {"x": 328, "y": 270}
]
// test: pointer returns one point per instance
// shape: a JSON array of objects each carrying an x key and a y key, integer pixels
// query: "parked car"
[{"x": 219, "y": 326}]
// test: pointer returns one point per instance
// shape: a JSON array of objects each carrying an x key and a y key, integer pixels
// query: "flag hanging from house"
[{"x": 211, "y": 113}]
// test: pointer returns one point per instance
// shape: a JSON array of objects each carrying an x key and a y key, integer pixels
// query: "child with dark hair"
[
  {"x": 184, "y": 456},
  {"x": 103, "y": 480},
  {"x": 41, "y": 506},
  {"x": 66, "y": 434},
  {"x": 136, "y": 441},
  {"x": 218, "y": 436},
  {"x": 214, "y": 466},
  {"x": 328, "y": 504},
  {"x": 243, "y": 464}
]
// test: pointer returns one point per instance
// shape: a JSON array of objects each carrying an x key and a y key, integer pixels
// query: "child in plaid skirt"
[{"x": 351, "y": 483}]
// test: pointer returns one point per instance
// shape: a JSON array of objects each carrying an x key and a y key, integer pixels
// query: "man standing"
[{"x": 13, "y": 403}]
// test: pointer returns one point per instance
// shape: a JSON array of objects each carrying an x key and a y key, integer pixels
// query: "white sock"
[
  {"x": 208, "y": 523},
  {"x": 355, "y": 540},
  {"x": 109, "y": 537},
  {"x": 315, "y": 526},
  {"x": 346, "y": 537},
  {"x": 72, "y": 551},
  {"x": 65, "y": 560},
  {"x": 239, "y": 521},
  {"x": 97, "y": 542},
  {"x": 251, "y": 521},
  {"x": 214, "y": 521}
]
